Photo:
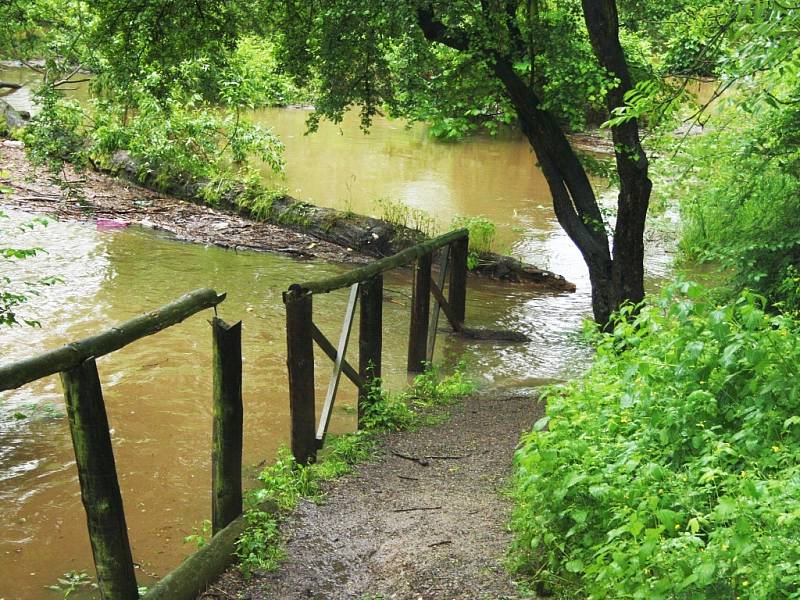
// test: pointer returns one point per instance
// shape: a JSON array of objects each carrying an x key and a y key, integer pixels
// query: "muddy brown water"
[{"x": 158, "y": 389}]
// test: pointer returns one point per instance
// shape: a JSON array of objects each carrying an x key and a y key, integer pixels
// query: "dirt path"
[
  {"x": 100, "y": 196},
  {"x": 398, "y": 529}
]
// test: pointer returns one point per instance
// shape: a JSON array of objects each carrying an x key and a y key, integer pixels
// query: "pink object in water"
[{"x": 111, "y": 224}]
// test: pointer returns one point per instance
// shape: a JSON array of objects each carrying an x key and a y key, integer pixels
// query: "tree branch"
[{"x": 436, "y": 31}]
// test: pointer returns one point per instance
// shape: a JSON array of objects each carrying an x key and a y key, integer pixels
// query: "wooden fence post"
[
  {"x": 370, "y": 338},
  {"x": 226, "y": 444},
  {"x": 420, "y": 309},
  {"x": 97, "y": 473},
  {"x": 458, "y": 279},
  {"x": 300, "y": 363}
]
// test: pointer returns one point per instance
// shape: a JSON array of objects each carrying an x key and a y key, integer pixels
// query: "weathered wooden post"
[
  {"x": 97, "y": 473},
  {"x": 370, "y": 337},
  {"x": 300, "y": 363},
  {"x": 420, "y": 308},
  {"x": 226, "y": 444},
  {"x": 458, "y": 278}
]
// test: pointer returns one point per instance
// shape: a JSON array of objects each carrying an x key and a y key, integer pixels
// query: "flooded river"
[{"x": 158, "y": 389}]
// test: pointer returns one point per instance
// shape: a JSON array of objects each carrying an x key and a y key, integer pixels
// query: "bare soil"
[
  {"x": 90, "y": 195},
  {"x": 426, "y": 519}
]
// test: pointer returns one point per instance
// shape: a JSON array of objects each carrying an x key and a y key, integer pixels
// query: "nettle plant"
[{"x": 671, "y": 469}]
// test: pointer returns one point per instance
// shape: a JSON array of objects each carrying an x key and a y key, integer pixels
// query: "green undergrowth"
[
  {"x": 482, "y": 234},
  {"x": 286, "y": 482},
  {"x": 671, "y": 469}
]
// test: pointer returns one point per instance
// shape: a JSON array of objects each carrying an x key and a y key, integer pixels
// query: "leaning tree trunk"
[
  {"x": 627, "y": 274},
  {"x": 616, "y": 275}
]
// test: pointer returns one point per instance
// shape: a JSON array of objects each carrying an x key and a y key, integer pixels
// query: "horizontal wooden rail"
[
  {"x": 70, "y": 356},
  {"x": 385, "y": 264}
]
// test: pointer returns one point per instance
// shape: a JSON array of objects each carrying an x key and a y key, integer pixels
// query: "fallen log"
[
  {"x": 367, "y": 235},
  {"x": 500, "y": 335},
  {"x": 191, "y": 578}
]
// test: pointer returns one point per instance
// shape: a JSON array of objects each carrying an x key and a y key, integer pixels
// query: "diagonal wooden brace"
[
  {"x": 446, "y": 308},
  {"x": 330, "y": 351},
  {"x": 338, "y": 364}
]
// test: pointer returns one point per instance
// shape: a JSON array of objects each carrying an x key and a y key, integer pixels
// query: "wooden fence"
[
  {"x": 88, "y": 421},
  {"x": 91, "y": 440},
  {"x": 366, "y": 287}
]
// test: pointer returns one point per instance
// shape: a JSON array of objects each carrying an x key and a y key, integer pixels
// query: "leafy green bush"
[
  {"x": 181, "y": 136},
  {"x": 481, "y": 237},
  {"x": 671, "y": 469},
  {"x": 739, "y": 197}
]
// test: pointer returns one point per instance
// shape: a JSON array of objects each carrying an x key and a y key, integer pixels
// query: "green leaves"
[{"x": 690, "y": 490}]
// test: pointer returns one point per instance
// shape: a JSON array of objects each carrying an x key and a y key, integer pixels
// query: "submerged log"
[
  {"x": 500, "y": 335},
  {"x": 367, "y": 235}
]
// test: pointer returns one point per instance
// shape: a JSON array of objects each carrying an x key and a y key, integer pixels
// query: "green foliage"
[
  {"x": 56, "y": 29},
  {"x": 402, "y": 215},
  {"x": 738, "y": 195},
  {"x": 670, "y": 469},
  {"x": 254, "y": 78},
  {"x": 259, "y": 546},
  {"x": 375, "y": 56},
  {"x": 482, "y": 233},
  {"x": 696, "y": 43},
  {"x": 55, "y": 134},
  {"x": 15, "y": 290},
  {"x": 71, "y": 582},
  {"x": 201, "y": 536},
  {"x": 181, "y": 136}
]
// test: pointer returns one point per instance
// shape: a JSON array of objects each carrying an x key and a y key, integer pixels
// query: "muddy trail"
[{"x": 425, "y": 519}]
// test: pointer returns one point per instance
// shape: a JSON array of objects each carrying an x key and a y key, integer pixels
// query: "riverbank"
[
  {"x": 426, "y": 518},
  {"x": 113, "y": 202}
]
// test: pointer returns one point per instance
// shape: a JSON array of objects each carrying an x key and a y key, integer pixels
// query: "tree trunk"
[
  {"x": 616, "y": 276},
  {"x": 602, "y": 22}
]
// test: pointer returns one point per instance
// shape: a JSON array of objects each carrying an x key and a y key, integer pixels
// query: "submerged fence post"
[
  {"x": 420, "y": 308},
  {"x": 458, "y": 278},
  {"x": 97, "y": 473},
  {"x": 300, "y": 363},
  {"x": 370, "y": 338},
  {"x": 226, "y": 444}
]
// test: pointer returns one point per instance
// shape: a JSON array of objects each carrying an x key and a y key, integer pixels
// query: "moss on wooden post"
[
  {"x": 420, "y": 310},
  {"x": 370, "y": 338},
  {"x": 97, "y": 474},
  {"x": 300, "y": 363},
  {"x": 226, "y": 445}
]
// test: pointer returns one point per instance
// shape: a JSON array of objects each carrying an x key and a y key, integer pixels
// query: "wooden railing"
[
  {"x": 88, "y": 420},
  {"x": 366, "y": 288},
  {"x": 91, "y": 440}
]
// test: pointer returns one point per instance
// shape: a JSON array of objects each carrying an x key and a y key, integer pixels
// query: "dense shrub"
[
  {"x": 739, "y": 200},
  {"x": 671, "y": 469}
]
